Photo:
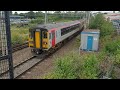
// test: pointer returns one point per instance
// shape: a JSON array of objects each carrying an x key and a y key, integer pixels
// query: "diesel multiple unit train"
[{"x": 43, "y": 38}]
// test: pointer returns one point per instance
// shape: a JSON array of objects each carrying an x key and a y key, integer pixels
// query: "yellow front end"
[
  {"x": 36, "y": 42},
  {"x": 37, "y": 39},
  {"x": 30, "y": 40},
  {"x": 45, "y": 40}
]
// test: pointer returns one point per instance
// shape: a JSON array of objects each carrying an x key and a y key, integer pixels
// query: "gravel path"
[
  {"x": 21, "y": 55},
  {"x": 47, "y": 65}
]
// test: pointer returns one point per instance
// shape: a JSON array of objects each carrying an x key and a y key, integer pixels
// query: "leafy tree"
[
  {"x": 99, "y": 22},
  {"x": 22, "y": 14},
  {"x": 57, "y": 12},
  {"x": 39, "y": 14},
  {"x": 31, "y": 15},
  {"x": 15, "y": 13}
]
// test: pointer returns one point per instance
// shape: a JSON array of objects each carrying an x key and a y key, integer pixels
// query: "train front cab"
[{"x": 38, "y": 40}]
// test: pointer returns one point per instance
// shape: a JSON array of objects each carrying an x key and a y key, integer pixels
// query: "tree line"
[{"x": 59, "y": 14}]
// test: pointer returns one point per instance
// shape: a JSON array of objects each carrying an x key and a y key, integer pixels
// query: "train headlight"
[{"x": 45, "y": 42}]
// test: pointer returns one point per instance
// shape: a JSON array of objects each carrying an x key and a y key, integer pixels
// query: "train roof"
[{"x": 56, "y": 25}]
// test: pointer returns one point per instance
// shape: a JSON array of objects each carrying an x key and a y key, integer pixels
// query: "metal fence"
[{"x": 6, "y": 63}]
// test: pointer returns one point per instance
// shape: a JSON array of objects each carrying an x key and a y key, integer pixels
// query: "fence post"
[{"x": 8, "y": 33}]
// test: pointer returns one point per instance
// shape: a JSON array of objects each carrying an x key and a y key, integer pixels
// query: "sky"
[{"x": 44, "y": 11}]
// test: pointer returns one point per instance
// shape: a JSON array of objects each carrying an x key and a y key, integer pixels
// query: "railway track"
[
  {"x": 16, "y": 66},
  {"x": 32, "y": 62},
  {"x": 16, "y": 47},
  {"x": 26, "y": 65},
  {"x": 37, "y": 60},
  {"x": 19, "y": 46},
  {"x": 29, "y": 63}
]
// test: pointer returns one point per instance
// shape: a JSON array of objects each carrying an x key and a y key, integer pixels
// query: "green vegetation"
[
  {"x": 112, "y": 46},
  {"x": 99, "y": 22},
  {"x": 74, "y": 66},
  {"x": 20, "y": 33},
  {"x": 90, "y": 65}
]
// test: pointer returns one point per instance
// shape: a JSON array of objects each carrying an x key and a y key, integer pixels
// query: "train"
[{"x": 43, "y": 38}]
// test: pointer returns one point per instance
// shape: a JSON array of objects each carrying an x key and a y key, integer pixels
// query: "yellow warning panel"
[{"x": 37, "y": 39}]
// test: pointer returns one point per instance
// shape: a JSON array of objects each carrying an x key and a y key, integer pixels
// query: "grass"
[
  {"x": 75, "y": 66},
  {"x": 88, "y": 65},
  {"x": 19, "y": 35}
]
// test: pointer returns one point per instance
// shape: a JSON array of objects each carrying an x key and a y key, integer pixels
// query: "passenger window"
[
  {"x": 44, "y": 34},
  {"x": 53, "y": 35},
  {"x": 49, "y": 35},
  {"x": 56, "y": 34},
  {"x": 31, "y": 35}
]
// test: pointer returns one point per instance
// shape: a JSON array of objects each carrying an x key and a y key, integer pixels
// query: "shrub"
[
  {"x": 16, "y": 39},
  {"x": 73, "y": 66},
  {"x": 90, "y": 67},
  {"x": 117, "y": 57},
  {"x": 112, "y": 46},
  {"x": 99, "y": 22},
  {"x": 106, "y": 28},
  {"x": 38, "y": 21},
  {"x": 67, "y": 67}
]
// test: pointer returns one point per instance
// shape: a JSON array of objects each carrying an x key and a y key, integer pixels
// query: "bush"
[
  {"x": 117, "y": 57},
  {"x": 112, "y": 46},
  {"x": 38, "y": 21},
  {"x": 19, "y": 35},
  {"x": 16, "y": 39},
  {"x": 99, "y": 22},
  {"x": 90, "y": 67},
  {"x": 67, "y": 67},
  {"x": 74, "y": 66},
  {"x": 106, "y": 28}
]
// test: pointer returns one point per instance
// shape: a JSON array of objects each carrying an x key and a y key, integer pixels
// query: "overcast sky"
[{"x": 44, "y": 11}]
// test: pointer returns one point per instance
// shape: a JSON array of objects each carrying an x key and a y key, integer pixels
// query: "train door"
[
  {"x": 37, "y": 39},
  {"x": 44, "y": 39},
  {"x": 53, "y": 38}
]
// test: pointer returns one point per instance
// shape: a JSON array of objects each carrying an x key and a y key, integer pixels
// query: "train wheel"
[
  {"x": 37, "y": 52},
  {"x": 32, "y": 50}
]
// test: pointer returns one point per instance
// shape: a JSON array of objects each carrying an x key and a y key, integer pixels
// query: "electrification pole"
[
  {"x": 45, "y": 18},
  {"x": 88, "y": 17}
]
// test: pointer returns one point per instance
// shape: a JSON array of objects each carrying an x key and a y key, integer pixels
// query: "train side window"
[
  {"x": 62, "y": 31},
  {"x": 44, "y": 34},
  {"x": 56, "y": 34},
  {"x": 53, "y": 35},
  {"x": 30, "y": 34},
  {"x": 49, "y": 35}
]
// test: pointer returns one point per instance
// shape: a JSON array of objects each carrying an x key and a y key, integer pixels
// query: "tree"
[
  {"x": 57, "y": 12},
  {"x": 15, "y": 13},
  {"x": 99, "y": 22},
  {"x": 22, "y": 14},
  {"x": 95, "y": 23},
  {"x": 39, "y": 14},
  {"x": 31, "y": 15}
]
